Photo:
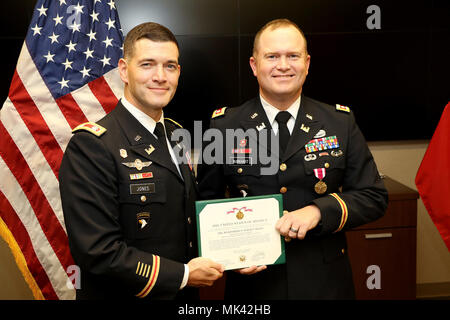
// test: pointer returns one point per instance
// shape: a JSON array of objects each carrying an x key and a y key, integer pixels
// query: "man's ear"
[
  {"x": 308, "y": 62},
  {"x": 123, "y": 66},
  {"x": 253, "y": 65}
]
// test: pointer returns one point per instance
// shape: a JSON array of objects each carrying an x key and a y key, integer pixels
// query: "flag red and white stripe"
[{"x": 35, "y": 129}]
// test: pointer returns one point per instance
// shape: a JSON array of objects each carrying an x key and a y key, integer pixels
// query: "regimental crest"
[{"x": 123, "y": 153}]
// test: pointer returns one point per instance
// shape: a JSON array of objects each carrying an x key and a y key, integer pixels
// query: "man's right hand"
[
  {"x": 203, "y": 272},
  {"x": 251, "y": 270}
]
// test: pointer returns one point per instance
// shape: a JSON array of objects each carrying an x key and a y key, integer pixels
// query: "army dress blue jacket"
[
  {"x": 129, "y": 214},
  {"x": 324, "y": 137}
]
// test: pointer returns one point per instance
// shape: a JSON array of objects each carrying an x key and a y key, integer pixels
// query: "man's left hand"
[{"x": 296, "y": 224}]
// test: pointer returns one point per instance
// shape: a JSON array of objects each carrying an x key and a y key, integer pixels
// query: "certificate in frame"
[{"x": 240, "y": 232}]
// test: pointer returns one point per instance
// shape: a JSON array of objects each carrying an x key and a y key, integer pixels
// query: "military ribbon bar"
[
  {"x": 322, "y": 144},
  {"x": 144, "y": 175}
]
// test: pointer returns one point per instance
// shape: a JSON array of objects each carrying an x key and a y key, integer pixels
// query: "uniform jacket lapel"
[
  {"x": 306, "y": 126},
  {"x": 255, "y": 118},
  {"x": 142, "y": 142},
  {"x": 188, "y": 175}
]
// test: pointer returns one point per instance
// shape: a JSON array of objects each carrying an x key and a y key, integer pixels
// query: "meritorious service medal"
[{"x": 320, "y": 187}]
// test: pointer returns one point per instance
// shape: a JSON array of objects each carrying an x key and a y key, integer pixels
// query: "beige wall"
[{"x": 399, "y": 160}]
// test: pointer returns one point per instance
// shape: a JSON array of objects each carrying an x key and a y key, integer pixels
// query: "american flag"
[{"x": 66, "y": 74}]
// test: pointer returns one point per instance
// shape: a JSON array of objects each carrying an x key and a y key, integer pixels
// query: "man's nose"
[
  {"x": 159, "y": 74},
  {"x": 283, "y": 63}
]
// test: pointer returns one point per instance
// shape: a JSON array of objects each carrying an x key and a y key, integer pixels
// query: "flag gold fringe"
[{"x": 6, "y": 234}]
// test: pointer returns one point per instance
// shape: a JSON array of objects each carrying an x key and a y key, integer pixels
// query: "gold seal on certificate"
[{"x": 240, "y": 232}]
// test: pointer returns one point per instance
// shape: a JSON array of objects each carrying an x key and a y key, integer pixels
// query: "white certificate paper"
[{"x": 240, "y": 232}]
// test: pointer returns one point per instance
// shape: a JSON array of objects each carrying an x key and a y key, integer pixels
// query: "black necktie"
[
  {"x": 283, "y": 131},
  {"x": 161, "y": 135}
]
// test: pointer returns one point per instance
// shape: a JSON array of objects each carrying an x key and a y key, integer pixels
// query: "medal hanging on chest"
[{"x": 320, "y": 187}]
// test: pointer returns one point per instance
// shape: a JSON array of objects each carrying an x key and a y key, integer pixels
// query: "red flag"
[
  {"x": 433, "y": 177},
  {"x": 66, "y": 74}
]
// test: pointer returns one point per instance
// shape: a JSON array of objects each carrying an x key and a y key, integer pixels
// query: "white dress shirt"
[
  {"x": 272, "y": 112},
  {"x": 150, "y": 125}
]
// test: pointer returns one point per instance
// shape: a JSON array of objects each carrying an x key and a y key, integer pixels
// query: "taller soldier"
[
  {"x": 327, "y": 175},
  {"x": 127, "y": 202}
]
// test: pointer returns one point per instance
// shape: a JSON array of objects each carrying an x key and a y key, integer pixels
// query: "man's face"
[
  {"x": 280, "y": 64},
  {"x": 151, "y": 75}
]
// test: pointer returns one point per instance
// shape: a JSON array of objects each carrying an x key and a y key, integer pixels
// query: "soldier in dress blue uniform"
[
  {"x": 128, "y": 203},
  {"x": 326, "y": 174}
]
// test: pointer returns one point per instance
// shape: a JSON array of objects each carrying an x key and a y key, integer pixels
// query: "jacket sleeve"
[
  {"x": 89, "y": 193},
  {"x": 363, "y": 198}
]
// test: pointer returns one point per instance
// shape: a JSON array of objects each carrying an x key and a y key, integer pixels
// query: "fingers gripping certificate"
[{"x": 240, "y": 232}]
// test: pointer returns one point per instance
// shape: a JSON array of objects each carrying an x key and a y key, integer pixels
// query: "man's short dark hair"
[{"x": 149, "y": 30}]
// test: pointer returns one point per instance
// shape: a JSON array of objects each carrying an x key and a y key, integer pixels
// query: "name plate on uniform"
[{"x": 240, "y": 232}]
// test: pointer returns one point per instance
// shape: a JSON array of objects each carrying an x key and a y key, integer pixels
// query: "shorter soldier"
[{"x": 128, "y": 204}]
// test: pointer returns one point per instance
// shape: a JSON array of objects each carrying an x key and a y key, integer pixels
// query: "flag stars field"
[
  {"x": 42, "y": 11},
  {"x": 89, "y": 31},
  {"x": 58, "y": 20},
  {"x": 54, "y": 37},
  {"x": 49, "y": 57},
  {"x": 36, "y": 30}
]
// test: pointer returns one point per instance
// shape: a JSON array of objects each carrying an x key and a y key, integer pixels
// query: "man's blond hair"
[{"x": 275, "y": 24}]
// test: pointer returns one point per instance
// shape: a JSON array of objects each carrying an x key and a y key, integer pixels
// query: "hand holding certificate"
[{"x": 240, "y": 232}]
